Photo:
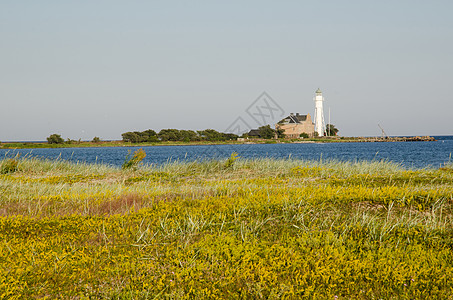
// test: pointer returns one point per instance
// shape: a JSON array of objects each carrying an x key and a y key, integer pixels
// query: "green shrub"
[
  {"x": 266, "y": 132},
  {"x": 230, "y": 161},
  {"x": 55, "y": 139},
  {"x": 69, "y": 141},
  {"x": 9, "y": 166},
  {"x": 135, "y": 160}
]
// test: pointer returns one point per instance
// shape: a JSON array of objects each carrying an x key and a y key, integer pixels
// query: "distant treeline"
[{"x": 150, "y": 136}]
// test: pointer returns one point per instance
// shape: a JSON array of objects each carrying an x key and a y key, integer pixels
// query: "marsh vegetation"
[{"x": 235, "y": 228}]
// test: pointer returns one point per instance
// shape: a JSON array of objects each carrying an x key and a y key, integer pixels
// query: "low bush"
[
  {"x": 230, "y": 161},
  {"x": 55, "y": 139},
  {"x": 134, "y": 161},
  {"x": 9, "y": 165}
]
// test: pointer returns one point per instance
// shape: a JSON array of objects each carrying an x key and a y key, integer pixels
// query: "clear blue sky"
[{"x": 101, "y": 68}]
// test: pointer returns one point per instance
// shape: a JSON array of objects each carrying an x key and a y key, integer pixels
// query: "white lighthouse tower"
[{"x": 319, "y": 113}]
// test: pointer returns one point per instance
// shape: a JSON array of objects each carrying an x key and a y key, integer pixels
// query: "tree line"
[{"x": 176, "y": 135}]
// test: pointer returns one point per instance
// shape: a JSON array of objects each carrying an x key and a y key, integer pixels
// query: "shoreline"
[{"x": 324, "y": 140}]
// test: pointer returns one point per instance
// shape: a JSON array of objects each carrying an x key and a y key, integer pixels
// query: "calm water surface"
[{"x": 409, "y": 154}]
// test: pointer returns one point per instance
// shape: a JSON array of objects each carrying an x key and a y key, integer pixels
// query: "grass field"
[{"x": 257, "y": 229}]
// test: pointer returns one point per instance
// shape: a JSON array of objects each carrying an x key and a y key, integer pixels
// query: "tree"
[
  {"x": 153, "y": 139},
  {"x": 280, "y": 133},
  {"x": 331, "y": 130},
  {"x": 189, "y": 136},
  {"x": 96, "y": 140},
  {"x": 211, "y": 135},
  {"x": 169, "y": 135},
  {"x": 266, "y": 132},
  {"x": 149, "y": 136},
  {"x": 131, "y": 137},
  {"x": 55, "y": 139},
  {"x": 230, "y": 136}
]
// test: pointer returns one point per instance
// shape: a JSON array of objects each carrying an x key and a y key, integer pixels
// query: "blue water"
[{"x": 408, "y": 154}]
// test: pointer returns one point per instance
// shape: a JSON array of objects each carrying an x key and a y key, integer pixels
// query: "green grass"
[{"x": 236, "y": 228}]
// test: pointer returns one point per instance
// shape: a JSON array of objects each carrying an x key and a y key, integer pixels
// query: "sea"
[{"x": 410, "y": 155}]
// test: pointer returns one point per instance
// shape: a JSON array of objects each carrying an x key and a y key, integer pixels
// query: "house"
[
  {"x": 254, "y": 133},
  {"x": 295, "y": 124}
]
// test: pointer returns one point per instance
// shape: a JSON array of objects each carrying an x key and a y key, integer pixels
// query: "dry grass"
[{"x": 253, "y": 229}]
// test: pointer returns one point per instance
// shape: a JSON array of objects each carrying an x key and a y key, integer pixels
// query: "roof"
[
  {"x": 318, "y": 91},
  {"x": 294, "y": 119},
  {"x": 254, "y": 132}
]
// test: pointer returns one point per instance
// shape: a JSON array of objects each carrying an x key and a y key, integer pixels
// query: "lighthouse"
[{"x": 319, "y": 113}]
